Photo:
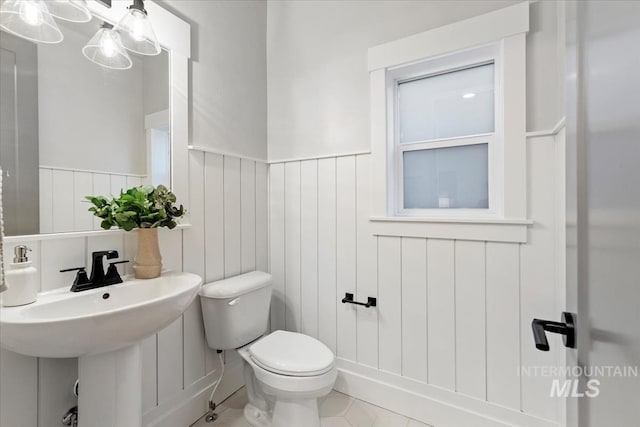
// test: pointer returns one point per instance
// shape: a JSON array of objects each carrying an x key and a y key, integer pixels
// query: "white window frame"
[
  {"x": 489, "y": 54},
  {"x": 504, "y": 33}
]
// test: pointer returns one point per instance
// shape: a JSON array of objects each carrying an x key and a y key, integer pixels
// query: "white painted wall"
[
  {"x": 452, "y": 324},
  {"x": 453, "y": 316},
  {"x": 228, "y": 79},
  {"x": 155, "y": 83},
  {"x": 317, "y": 67},
  {"x": 228, "y": 212},
  {"x": 74, "y": 95}
]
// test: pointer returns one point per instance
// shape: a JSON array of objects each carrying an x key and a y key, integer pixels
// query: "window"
[
  {"x": 452, "y": 104},
  {"x": 448, "y": 130},
  {"x": 443, "y": 137}
]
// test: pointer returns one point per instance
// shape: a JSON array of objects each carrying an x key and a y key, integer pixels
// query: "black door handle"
[{"x": 567, "y": 328}]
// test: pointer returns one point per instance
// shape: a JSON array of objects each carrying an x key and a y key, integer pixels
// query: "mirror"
[{"x": 71, "y": 128}]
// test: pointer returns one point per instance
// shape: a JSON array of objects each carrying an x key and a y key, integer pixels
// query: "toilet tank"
[{"x": 236, "y": 310}]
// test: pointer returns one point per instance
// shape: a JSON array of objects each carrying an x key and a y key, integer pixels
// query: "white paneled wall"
[
  {"x": 453, "y": 316},
  {"x": 63, "y": 207},
  {"x": 228, "y": 234}
]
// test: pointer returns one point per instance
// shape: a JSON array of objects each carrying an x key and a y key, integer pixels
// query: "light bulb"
[
  {"x": 137, "y": 25},
  {"x": 105, "y": 49},
  {"x": 31, "y": 13},
  {"x": 136, "y": 32},
  {"x": 108, "y": 46}
]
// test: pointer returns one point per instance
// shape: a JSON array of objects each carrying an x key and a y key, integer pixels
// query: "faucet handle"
[
  {"x": 113, "y": 276},
  {"x": 81, "y": 277},
  {"x": 66, "y": 270}
]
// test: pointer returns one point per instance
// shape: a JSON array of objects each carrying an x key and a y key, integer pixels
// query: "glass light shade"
[
  {"x": 31, "y": 20},
  {"x": 137, "y": 33},
  {"x": 105, "y": 49},
  {"x": 70, "y": 10}
]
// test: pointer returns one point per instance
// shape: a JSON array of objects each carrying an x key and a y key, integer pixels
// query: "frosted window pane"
[
  {"x": 452, "y": 177},
  {"x": 459, "y": 103}
]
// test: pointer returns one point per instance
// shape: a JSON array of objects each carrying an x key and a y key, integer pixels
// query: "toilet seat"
[{"x": 292, "y": 354}]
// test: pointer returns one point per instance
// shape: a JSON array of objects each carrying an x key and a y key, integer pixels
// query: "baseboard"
[
  {"x": 190, "y": 404},
  {"x": 427, "y": 403}
]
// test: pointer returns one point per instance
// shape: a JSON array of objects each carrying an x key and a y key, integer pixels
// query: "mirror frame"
[{"x": 174, "y": 36}]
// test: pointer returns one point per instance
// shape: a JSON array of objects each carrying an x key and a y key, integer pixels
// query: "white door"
[{"x": 603, "y": 209}]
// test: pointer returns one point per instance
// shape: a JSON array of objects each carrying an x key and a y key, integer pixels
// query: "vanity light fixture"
[
  {"x": 70, "y": 10},
  {"x": 105, "y": 49},
  {"x": 31, "y": 20},
  {"x": 136, "y": 32}
]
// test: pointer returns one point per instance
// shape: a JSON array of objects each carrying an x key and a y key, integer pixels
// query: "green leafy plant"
[{"x": 138, "y": 207}]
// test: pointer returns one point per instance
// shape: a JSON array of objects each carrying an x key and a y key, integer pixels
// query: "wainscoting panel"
[
  {"x": 18, "y": 389},
  {"x": 539, "y": 294},
  {"x": 470, "y": 308},
  {"x": 228, "y": 233},
  {"x": 453, "y": 316},
  {"x": 149, "y": 373},
  {"x": 276, "y": 244},
  {"x": 414, "y": 316},
  {"x": 63, "y": 201},
  {"x": 213, "y": 215},
  {"x": 309, "y": 250},
  {"x": 346, "y": 255},
  {"x": 232, "y": 219},
  {"x": 170, "y": 358},
  {"x": 63, "y": 207},
  {"x": 82, "y": 186},
  {"x": 262, "y": 217},
  {"x": 390, "y": 303},
  {"x": 327, "y": 253},
  {"x": 292, "y": 243},
  {"x": 441, "y": 313},
  {"x": 366, "y": 268},
  {"x": 503, "y": 334},
  {"x": 194, "y": 261},
  {"x": 248, "y": 215},
  {"x": 101, "y": 186}
]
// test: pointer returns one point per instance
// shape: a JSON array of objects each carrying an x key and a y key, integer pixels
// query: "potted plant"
[{"x": 147, "y": 209}]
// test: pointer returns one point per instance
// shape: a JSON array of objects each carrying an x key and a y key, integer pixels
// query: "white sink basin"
[
  {"x": 74, "y": 324},
  {"x": 102, "y": 328}
]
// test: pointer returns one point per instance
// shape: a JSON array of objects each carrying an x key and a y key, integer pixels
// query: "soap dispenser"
[{"x": 22, "y": 280}]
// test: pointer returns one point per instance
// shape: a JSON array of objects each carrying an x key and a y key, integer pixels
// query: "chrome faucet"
[{"x": 98, "y": 277}]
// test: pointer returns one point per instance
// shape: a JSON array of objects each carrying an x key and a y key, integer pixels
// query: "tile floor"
[{"x": 336, "y": 410}]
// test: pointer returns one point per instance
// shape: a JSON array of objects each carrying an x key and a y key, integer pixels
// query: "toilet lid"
[{"x": 290, "y": 353}]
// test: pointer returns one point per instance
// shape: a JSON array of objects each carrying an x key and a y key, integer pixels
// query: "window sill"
[{"x": 489, "y": 229}]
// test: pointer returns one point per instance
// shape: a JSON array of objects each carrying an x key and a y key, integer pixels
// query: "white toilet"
[{"x": 285, "y": 372}]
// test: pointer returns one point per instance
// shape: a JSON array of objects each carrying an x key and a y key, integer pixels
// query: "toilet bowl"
[{"x": 285, "y": 372}]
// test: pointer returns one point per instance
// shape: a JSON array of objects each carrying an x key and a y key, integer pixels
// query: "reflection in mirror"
[{"x": 71, "y": 128}]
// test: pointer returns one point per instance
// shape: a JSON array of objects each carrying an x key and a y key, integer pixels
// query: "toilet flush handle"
[{"x": 233, "y": 301}]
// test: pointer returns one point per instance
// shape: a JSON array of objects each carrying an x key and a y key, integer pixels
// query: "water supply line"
[{"x": 211, "y": 415}]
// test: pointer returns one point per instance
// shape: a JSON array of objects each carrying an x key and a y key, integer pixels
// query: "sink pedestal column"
[{"x": 110, "y": 390}]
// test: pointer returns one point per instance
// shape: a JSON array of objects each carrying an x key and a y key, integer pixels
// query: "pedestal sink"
[{"x": 102, "y": 327}]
